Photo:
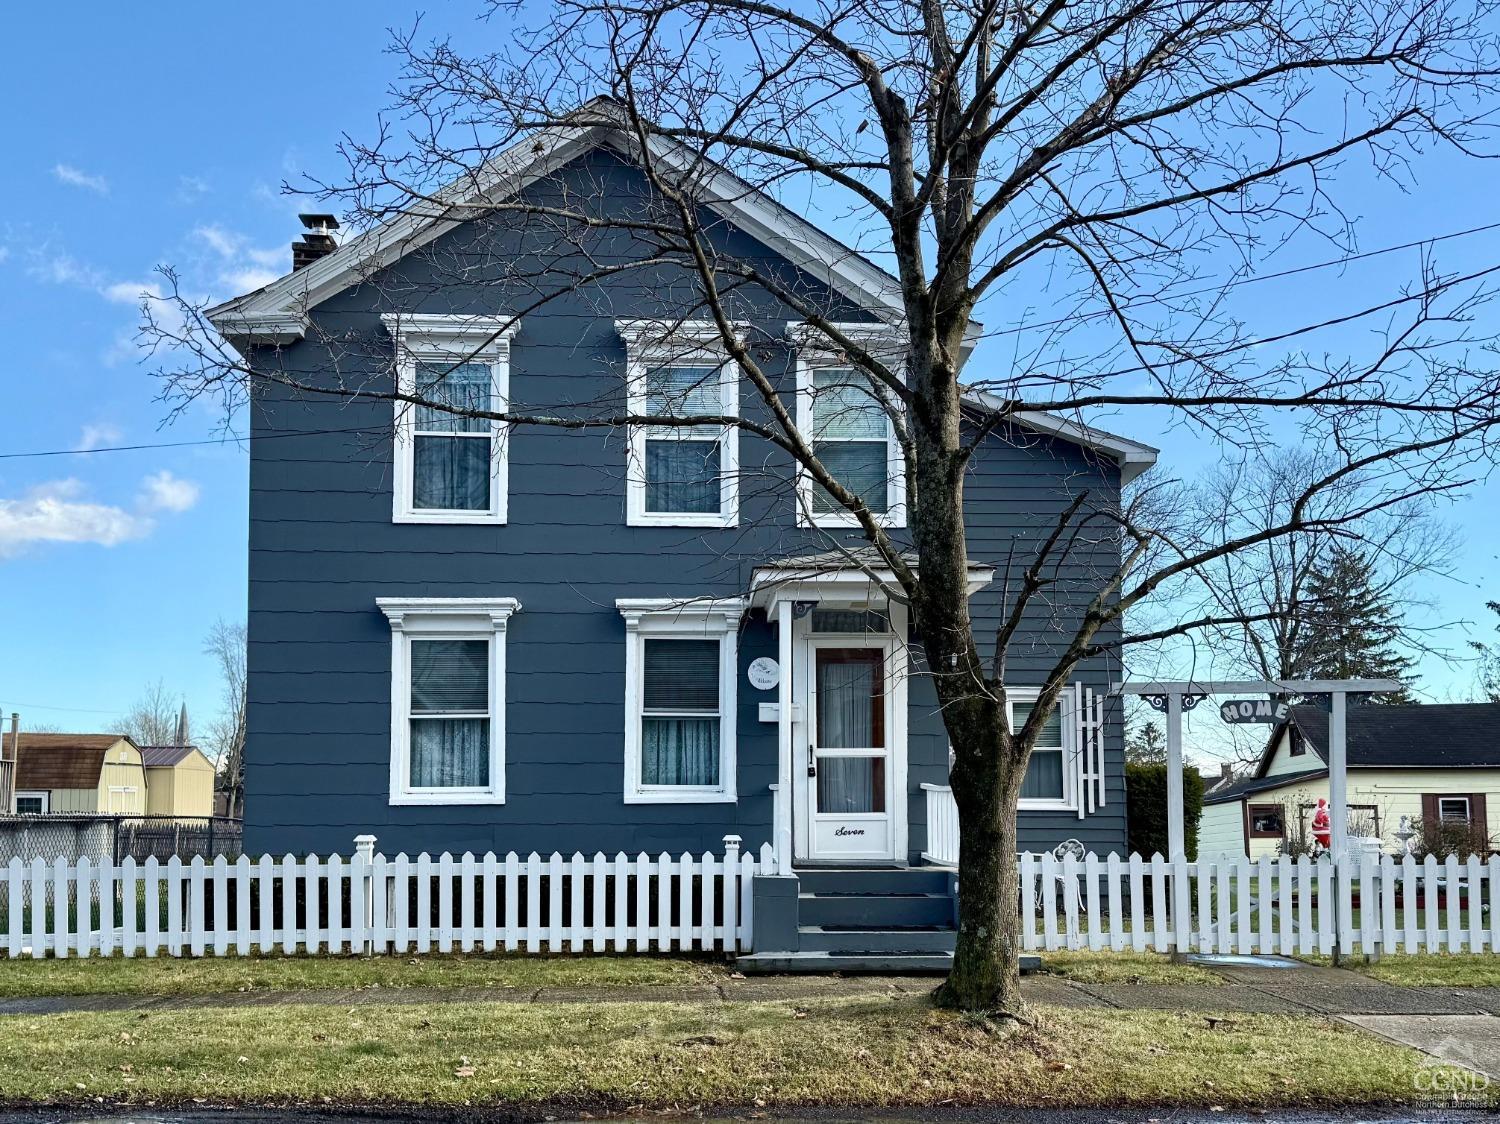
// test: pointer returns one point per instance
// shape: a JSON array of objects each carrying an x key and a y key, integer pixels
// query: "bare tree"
[
  {"x": 153, "y": 719},
  {"x": 1131, "y": 160},
  {"x": 226, "y": 733}
]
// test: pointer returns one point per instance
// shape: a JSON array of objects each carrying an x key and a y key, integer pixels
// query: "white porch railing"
[
  {"x": 373, "y": 904},
  {"x": 942, "y": 826}
]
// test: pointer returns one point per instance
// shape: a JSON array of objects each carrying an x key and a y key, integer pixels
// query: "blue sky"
[{"x": 160, "y": 134}]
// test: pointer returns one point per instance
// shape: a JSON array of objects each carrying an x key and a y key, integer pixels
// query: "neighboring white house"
[{"x": 1428, "y": 762}]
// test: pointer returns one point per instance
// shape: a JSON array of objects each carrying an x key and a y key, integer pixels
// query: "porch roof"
[{"x": 857, "y": 573}]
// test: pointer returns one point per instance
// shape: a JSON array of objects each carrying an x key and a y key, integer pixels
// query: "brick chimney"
[{"x": 318, "y": 242}]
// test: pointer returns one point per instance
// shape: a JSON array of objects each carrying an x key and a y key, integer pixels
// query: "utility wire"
[{"x": 1126, "y": 306}]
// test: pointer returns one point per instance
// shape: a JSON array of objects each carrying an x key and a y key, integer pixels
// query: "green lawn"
[
  {"x": 847, "y": 1052},
  {"x": 168, "y": 976},
  {"x": 1125, "y": 968},
  {"x": 1425, "y": 970}
]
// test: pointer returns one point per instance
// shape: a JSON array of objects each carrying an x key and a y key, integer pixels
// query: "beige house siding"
[
  {"x": 78, "y": 801},
  {"x": 1393, "y": 793},
  {"x": 1284, "y": 762}
]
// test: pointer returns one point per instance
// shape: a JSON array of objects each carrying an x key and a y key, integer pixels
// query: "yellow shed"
[
  {"x": 179, "y": 781},
  {"x": 100, "y": 774}
]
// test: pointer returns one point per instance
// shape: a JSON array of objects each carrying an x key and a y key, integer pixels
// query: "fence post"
[
  {"x": 364, "y": 854},
  {"x": 731, "y": 895}
]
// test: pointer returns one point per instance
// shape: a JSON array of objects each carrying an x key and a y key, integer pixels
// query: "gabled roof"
[
  {"x": 277, "y": 313},
  {"x": 1402, "y": 735},
  {"x": 155, "y": 756},
  {"x": 1251, "y": 785},
  {"x": 48, "y": 761}
]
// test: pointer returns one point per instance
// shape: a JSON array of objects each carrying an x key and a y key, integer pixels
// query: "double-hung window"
[
  {"x": 450, "y": 459},
  {"x": 680, "y": 475},
  {"x": 679, "y": 700},
  {"x": 1047, "y": 783},
  {"x": 33, "y": 803},
  {"x": 448, "y": 699},
  {"x": 846, "y": 415}
]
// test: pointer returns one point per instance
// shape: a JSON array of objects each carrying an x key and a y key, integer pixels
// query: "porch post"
[
  {"x": 783, "y": 804},
  {"x": 1176, "y": 836},
  {"x": 1338, "y": 799}
]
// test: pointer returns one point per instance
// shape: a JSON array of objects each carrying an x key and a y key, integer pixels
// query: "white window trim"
[
  {"x": 38, "y": 793},
  {"x": 1468, "y": 809},
  {"x": 651, "y": 344},
  {"x": 699, "y": 619},
  {"x": 445, "y": 618},
  {"x": 450, "y": 339},
  {"x": 815, "y": 352},
  {"x": 1069, "y": 801}
]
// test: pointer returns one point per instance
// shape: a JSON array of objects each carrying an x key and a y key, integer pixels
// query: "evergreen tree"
[
  {"x": 1352, "y": 630},
  {"x": 1146, "y": 745}
]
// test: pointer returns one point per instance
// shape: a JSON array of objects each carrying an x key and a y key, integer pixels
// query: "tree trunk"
[{"x": 986, "y": 959}]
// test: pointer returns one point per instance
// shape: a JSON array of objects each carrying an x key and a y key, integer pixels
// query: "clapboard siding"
[{"x": 323, "y": 548}]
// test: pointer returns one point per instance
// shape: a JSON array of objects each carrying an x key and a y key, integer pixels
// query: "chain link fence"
[{"x": 117, "y": 837}]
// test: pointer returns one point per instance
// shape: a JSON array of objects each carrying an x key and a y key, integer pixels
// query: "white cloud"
[
  {"x": 161, "y": 491},
  {"x": 74, "y": 177},
  {"x": 56, "y": 512},
  {"x": 191, "y": 188},
  {"x": 243, "y": 266},
  {"x": 60, "y": 511},
  {"x": 98, "y": 434},
  {"x": 131, "y": 292},
  {"x": 57, "y": 268},
  {"x": 4, "y": 252}
]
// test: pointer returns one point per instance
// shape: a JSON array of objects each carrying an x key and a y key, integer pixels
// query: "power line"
[{"x": 1126, "y": 306}]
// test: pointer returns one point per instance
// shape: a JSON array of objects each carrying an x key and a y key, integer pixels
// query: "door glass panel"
[
  {"x": 849, "y": 785},
  {"x": 851, "y": 699}
]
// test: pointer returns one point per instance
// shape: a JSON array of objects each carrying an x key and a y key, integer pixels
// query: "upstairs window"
[
  {"x": 846, "y": 417},
  {"x": 680, "y": 698},
  {"x": 680, "y": 475},
  {"x": 451, "y": 467}
]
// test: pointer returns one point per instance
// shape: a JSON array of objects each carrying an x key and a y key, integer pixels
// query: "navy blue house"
[{"x": 465, "y": 636}]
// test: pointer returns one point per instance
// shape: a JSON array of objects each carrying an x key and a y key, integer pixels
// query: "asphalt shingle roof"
[{"x": 1405, "y": 736}]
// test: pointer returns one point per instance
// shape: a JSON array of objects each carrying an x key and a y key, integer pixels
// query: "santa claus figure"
[{"x": 1322, "y": 832}]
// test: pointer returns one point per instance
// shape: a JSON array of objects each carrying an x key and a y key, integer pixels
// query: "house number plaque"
[{"x": 764, "y": 673}]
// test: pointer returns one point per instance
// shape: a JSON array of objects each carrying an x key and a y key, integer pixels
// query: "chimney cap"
[{"x": 319, "y": 222}]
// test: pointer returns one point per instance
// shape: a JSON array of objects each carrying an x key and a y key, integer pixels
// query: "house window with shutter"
[
  {"x": 679, "y": 701},
  {"x": 1267, "y": 821},
  {"x": 448, "y": 699},
  {"x": 1453, "y": 809},
  {"x": 1048, "y": 783}
]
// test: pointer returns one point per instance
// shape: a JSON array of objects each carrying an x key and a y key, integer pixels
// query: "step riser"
[
  {"x": 851, "y": 911},
  {"x": 919, "y": 881},
  {"x": 761, "y": 963},
  {"x": 877, "y": 941}
]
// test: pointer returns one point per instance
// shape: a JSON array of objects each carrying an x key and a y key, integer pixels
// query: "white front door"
[{"x": 850, "y": 772}]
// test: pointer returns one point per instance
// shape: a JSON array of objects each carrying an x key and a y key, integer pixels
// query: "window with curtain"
[
  {"x": 851, "y": 437},
  {"x": 680, "y": 713},
  {"x": 1044, "y": 773},
  {"x": 449, "y": 714},
  {"x": 452, "y": 454},
  {"x": 683, "y": 466}
]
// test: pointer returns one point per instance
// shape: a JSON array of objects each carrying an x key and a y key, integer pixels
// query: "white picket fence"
[
  {"x": 1270, "y": 906},
  {"x": 373, "y": 904}
]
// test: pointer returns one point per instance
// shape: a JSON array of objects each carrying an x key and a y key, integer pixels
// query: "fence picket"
[
  {"x": 197, "y": 891},
  {"x": 1028, "y": 902},
  {"x": 599, "y": 938},
  {"x": 107, "y": 906},
  {"x": 1265, "y": 905},
  {"x": 1476, "y": 914},
  {"x": 445, "y": 903},
  {"x": 554, "y": 904},
  {"x": 1182, "y": 917},
  {"x": 1205, "y": 908},
  {"x": 467, "y": 870},
  {"x": 221, "y": 928},
  {"x": 265, "y": 906},
  {"x": 83, "y": 902},
  {"x": 1369, "y": 907},
  {"x": 533, "y": 902},
  {"x": 1453, "y": 894},
  {"x": 664, "y": 902},
  {"x": 684, "y": 882},
  {"x": 1137, "y": 905},
  {"x": 39, "y": 896},
  {"x": 129, "y": 931},
  {"x": 174, "y": 906},
  {"x": 16, "y": 893},
  {"x": 60, "y": 907},
  {"x": 1116, "y": 918},
  {"x": 1049, "y": 902},
  {"x": 152, "y": 877},
  {"x": 491, "y": 876},
  {"x": 621, "y": 887},
  {"x": 1070, "y": 900},
  {"x": 401, "y": 903},
  {"x": 642, "y": 902},
  {"x": 1430, "y": 904},
  {"x": 709, "y": 884},
  {"x": 1091, "y": 904},
  {"x": 1493, "y": 900},
  {"x": 1159, "y": 903},
  {"x": 1410, "y": 899},
  {"x": 1387, "y": 904},
  {"x": 313, "y": 931},
  {"x": 288, "y": 904},
  {"x": 1326, "y": 907},
  {"x": 578, "y": 869},
  {"x": 1224, "y": 911},
  {"x": 512, "y": 901},
  {"x": 1284, "y": 892}
]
